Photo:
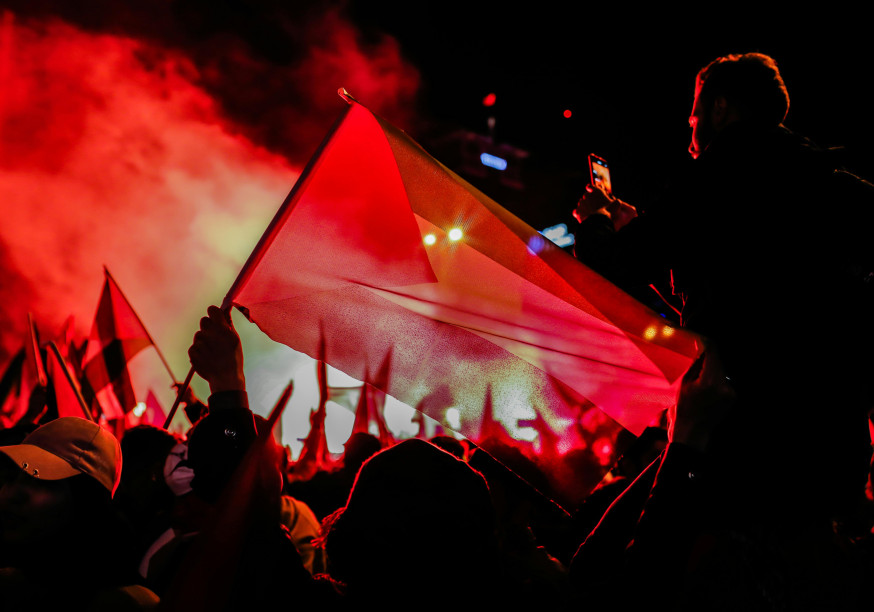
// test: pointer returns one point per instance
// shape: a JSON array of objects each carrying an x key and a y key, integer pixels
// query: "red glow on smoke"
[
  {"x": 289, "y": 108},
  {"x": 161, "y": 165}
]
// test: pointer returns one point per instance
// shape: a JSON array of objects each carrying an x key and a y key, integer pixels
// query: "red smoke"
[{"x": 165, "y": 163}]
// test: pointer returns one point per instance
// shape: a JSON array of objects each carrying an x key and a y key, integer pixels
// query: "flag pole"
[
  {"x": 148, "y": 335},
  {"x": 54, "y": 348},
  {"x": 180, "y": 392},
  {"x": 266, "y": 238},
  {"x": 280, "y": 405},
  {"x": 269, "y": 234},
  {"x": 34, "y": 345}
]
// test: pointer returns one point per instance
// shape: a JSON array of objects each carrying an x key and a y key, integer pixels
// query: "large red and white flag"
[
  {"x": 387, "y": 250},
  {"x": 116, "y": 336}
]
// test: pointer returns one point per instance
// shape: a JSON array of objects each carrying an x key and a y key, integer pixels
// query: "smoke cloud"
[{"x": 163, "y": 159}]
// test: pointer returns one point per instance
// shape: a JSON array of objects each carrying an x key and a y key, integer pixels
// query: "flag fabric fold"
[
  {"x": 380, "y": 249},
  {"x": 66, "y": 394}
]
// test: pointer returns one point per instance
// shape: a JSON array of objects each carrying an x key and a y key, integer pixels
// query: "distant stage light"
[
  {"x": 453, "y": 418},
  {"x": 455, "y": 234},
  {"x": 559, "y": 235},
  {"x": 429, "y": 239},
  {"x": 493, "y": 161},
  {"x": 139, "y": 409},
  {"x": 490, "y": 100},
  {"x": 567, "y": 113},
  {"x": 536, "y": 244}
]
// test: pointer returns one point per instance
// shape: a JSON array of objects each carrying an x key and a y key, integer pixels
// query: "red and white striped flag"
[
  {"x": 388, "y": 251},
  {"x": 116, "y": 336}
]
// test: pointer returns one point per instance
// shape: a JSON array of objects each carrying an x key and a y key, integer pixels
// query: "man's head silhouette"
[{"x": 736, "y": 88}]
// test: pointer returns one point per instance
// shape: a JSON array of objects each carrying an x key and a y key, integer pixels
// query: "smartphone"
[{"x": 600, "y": 173}]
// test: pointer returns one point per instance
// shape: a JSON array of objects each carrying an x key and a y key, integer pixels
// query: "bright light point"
[
  {"x": 536, "y": 244},
  {"x": 429, "y": 239},
  {"x": 490, "y": 100},
  {"x": 455, "y": 234},
  {"x": 493, "y": 161},
  {"x": 453, "y": 418},
  {"x": 567, "y": 114},
  {"x": 139, "y": 409},
  {"x": 650, "y": 333},
  {"x": 667, "y": 332},
  {"x": 338, "y": 426},
  {"x": 555, "y": 231},
  {"x": 558, "y": 235}
]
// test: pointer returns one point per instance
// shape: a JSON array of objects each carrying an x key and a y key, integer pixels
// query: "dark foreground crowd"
[
  {"x": 756, "y": 495},
  {"x": 217, "y": 520}
]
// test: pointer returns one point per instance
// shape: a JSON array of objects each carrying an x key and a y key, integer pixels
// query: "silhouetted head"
[
  {"x": 416, "y": 516},
  {"x": 66, "y": 473},
  {"x": 746, "y": 87}
]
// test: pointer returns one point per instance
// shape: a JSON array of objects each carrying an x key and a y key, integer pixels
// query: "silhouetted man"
[{"x": 764, "y": 242}]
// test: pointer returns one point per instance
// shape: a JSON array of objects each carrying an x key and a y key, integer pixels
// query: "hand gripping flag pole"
[{"x": 261, "y": 247}]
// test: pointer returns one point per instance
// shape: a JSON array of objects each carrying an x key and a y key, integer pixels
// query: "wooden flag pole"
[
  {"x": 279, "y": 407},
  {"x": 34, "y": 345},
  {"x": 180, "y": 393},
  {"x": 265, "y": 240}
]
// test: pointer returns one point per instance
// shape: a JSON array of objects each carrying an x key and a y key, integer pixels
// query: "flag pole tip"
[{"x": 346, "y": 95}]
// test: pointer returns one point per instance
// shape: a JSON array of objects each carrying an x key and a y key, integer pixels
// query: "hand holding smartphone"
[
  {"x": 599, "y": 197},
  {"x": 599, "y": 174}
]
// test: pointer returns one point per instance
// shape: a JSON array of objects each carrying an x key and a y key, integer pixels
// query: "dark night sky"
[
  {"x": 628, "y": 78},
  {"x": 626, "y": 74}
]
